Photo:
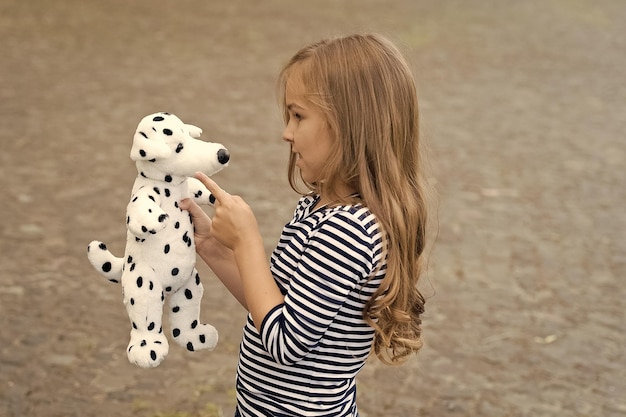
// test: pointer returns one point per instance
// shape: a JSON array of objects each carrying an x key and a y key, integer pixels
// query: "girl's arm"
[
  {"x": 218, "y": 257},
  {"x": 259, "y": 288}
]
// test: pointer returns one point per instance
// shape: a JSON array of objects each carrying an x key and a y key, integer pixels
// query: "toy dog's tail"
[{"x": 104, "y": 261}]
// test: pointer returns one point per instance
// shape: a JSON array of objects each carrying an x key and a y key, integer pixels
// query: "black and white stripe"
[{"x": 328, "y": 263}]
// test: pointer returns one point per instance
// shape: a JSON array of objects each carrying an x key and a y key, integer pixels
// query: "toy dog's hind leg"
[
  {"x": 143, "y": 298},
  {"x": 185, "y": 317}
]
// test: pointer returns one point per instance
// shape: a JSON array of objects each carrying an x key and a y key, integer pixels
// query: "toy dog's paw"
[
  {"x": 203, "y": 197},
  {"x": 199, "y": 193},
  {"x": 200, "y": 336},
  {"x": 148, "y": 225},
  {"x": 147, "y": 349}
]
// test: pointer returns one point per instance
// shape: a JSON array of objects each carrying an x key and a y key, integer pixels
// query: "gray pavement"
[{"x": 523, "y": 113}]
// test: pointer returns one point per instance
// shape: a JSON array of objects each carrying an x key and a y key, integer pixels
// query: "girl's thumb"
[{"x": 189, "y": 205}]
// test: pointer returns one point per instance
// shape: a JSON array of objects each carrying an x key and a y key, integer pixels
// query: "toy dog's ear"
[
  {"x": 148, "y": 149},
  {"x": 194, "y": 131}
]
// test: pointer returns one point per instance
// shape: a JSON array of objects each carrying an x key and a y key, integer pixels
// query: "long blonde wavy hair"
[{"x": 365, "y": 89}]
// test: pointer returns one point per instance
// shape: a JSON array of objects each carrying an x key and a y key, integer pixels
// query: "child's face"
[{"x": 307, "y": 132}]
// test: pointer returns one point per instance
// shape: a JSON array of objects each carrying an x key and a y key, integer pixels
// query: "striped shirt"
[{"x": 304, "y": 360}]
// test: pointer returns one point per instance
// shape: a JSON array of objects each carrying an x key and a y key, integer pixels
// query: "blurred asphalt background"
[{"x": 523, "y": 107}]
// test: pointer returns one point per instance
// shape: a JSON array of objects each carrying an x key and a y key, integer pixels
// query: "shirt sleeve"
[{"x": 337, "y": 257}]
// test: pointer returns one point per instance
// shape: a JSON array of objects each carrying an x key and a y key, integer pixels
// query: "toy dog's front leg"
[
  {"x": 144, "y": 216},
  {"x": 199, "y": 193}
]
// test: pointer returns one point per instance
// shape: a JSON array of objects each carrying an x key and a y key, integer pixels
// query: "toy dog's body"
[{"x": 159, "y": 259}]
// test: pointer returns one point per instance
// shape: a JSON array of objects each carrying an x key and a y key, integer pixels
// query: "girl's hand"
[{"x": 234, "y": 224}]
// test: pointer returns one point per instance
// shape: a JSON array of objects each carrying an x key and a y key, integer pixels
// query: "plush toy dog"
[{"x": 159, "y": 260}]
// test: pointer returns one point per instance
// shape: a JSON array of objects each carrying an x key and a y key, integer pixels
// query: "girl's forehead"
[
  {"x": 296, "y": 95},
  {"x": 295, "y": 85}
]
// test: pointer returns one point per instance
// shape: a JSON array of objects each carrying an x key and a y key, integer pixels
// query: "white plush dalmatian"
[{"x": 159, "y": 260}]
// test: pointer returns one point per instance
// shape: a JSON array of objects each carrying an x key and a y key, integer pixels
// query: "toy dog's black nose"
[{"x": 223, "y": 156}]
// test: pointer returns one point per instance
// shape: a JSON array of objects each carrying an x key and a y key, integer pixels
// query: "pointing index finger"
[{"x": 211, "y": 185}]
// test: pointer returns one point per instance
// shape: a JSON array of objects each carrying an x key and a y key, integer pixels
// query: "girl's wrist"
[
  {"x": 249, "y": 245},
  {"x": 210, "y": 249}
]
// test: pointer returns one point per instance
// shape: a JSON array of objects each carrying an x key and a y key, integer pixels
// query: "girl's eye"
[{"x": 297, "y": 116}]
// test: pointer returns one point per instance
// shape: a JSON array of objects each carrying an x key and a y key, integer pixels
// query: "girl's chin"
[{"x": 306, "y": 175}]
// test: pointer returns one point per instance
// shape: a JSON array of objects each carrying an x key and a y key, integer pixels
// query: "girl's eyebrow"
[{"x": 291, "y": 106}]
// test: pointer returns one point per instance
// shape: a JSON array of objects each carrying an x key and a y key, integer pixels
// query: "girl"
[{"x": 341, "y": 282}]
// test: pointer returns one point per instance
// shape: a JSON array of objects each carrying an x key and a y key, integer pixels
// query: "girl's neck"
[{"x": 344, "y": 195}]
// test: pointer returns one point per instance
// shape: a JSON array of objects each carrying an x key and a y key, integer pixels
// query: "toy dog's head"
[{"x": 164, "y": 148}]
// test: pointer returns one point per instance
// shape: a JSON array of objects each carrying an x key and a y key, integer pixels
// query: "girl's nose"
[{"x": 287, "y": 134}]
